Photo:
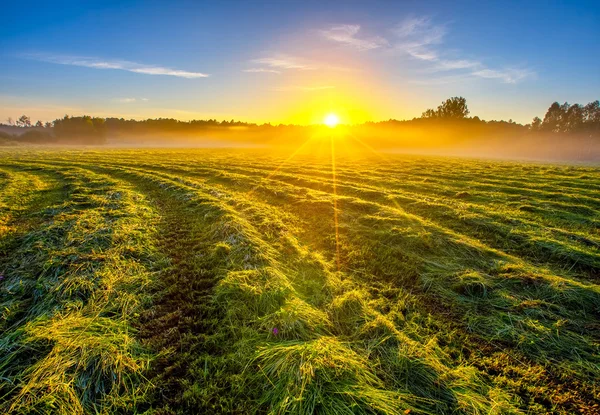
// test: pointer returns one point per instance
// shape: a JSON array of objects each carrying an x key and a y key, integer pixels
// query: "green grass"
[{"x": 204, "y": 281}]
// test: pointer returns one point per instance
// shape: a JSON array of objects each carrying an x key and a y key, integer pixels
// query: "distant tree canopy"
[
  {"x": 86, "y": 129},
  {"x": 562, "y": 119},
  {"x": 169, "y": 124},
  {"x": 455, "y": 107},
  {"x": 567, "y": 118},
  {"x": 24, "y": 121}
]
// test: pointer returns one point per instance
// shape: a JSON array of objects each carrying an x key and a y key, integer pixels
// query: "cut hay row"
[
  {"x": 318, "y": 321},
  {"x": 20, "y": 192},
  {"x": 489, "y": 269},
  {"x": 71, "y": 289},
  {"x": 415, "y": 299},
  {"x": 507, "y": 232},
  {"x": 478, "y": 202}
]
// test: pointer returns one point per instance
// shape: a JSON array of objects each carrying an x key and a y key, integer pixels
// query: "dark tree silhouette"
[
  {"x": 455, "y": 107},
  {"x": 24, "y": 121},
  {"x": 536, "y": 124},
  {"x": 554, "y": 118},
  {"x": 592, "y": 116},
  {"x": 84, "y": 129},
  {"x": 574, "y": 118}
]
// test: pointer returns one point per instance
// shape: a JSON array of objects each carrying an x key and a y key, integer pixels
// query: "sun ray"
[
  {"x": 335, "y": 205},
  {"x": 381, "y": 156},
  {"x": 271, "y": 174}
]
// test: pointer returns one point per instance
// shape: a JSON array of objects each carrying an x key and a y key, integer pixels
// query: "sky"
[{"x": 295, "y": 61}]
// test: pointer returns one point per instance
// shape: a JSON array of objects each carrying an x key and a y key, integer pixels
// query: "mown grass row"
[
  {"x": 504, "y": 327},
  {"x": 72, "y": 287},
  {"x": 433, "y": 309},
  {"x": 570, "y": 250},
  {"x": 535, "y": 342},
  {"x": 490, "y": 203},
  {"x": 316, "y": 336}
]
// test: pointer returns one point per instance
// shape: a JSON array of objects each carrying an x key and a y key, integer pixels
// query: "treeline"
[
  {"x": 90, "y": 129},
  {"x": 77, "y": 130},
  {"x": 559, "y": 118},
  {"x": 447, "y": 123},
  {"x": 94, "y": 130},
  {"x": 567, "y": 118}
]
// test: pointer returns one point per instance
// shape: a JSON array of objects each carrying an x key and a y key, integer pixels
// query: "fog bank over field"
[
  {"x": 567, "y": 133},
  {"x": 536, "y": 147}
]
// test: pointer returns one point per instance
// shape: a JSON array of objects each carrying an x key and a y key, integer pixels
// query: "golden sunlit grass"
[{"x": 332, "y": 284}]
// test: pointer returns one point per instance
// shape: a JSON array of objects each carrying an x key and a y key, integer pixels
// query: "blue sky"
[{"x": 285, "y": 61}]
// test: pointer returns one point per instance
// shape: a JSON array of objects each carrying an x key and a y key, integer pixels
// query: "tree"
[
  {"x": 24, "y": 121},
  {"x": 553, "y": 118},
  {"x": 429, "y": 114},
  {"x": 536, "y": 124},
  {"x": 9, "y": 120},
  {"x": 455, "y": 107},
  {"x": 591, "y": 115},
  {"x": 84, "y": 129},
  {"x": 48, "y": 124},
  {"x": 39, "y": 124},
  {"x": 592, "y": 112},
  {"x": 573, "y": 118}
]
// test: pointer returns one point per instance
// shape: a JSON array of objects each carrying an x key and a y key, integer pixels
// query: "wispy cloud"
[
  {"x": 284, "y": 62},
  {"x": 448, "y": 65},
  {"x": 261, "y": 70},
  {"x": 279, "y": 63},
  {"x": 416, "y": 36},
  {"x": 304, "y": 88},
  {"x": 419, "y": 38},
  {"x": 130, "y": 100},
  {"x": 123, "y": 65},
  {"x": 347, "y": 34},
  {"x": 509, "y": 76},
  {"x": 442, "y": 80}
]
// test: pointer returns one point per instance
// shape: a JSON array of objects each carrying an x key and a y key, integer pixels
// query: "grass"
[{"x": 203, "y": 281}]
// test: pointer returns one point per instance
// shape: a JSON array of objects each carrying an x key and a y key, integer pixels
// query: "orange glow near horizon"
[{"x": 322, "y": 143}]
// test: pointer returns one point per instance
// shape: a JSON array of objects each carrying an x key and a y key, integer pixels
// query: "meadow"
[{"x": 243, "y": 281}]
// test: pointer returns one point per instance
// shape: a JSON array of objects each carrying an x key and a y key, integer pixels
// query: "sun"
[{"x": 331, "y": 120}]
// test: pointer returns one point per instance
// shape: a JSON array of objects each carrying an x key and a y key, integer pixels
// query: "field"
[{"x": 214, "y": 281}]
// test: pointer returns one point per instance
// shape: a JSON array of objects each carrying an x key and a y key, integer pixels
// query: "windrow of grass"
[
  {"x": 20, "y": 193},
  {"x": 503, "y": 297},
  {"x": 538, "y": 302},
  {"x": 501, "y": 224},
  {"x": 505, "y": 230},
  {"x": 71, "y": 288},
  {"x": 513, "y": 229},
  {"x": 547, "y": 318},
  {"x": 304, "y": 337},
  {"x": 430, "y": 290}
]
